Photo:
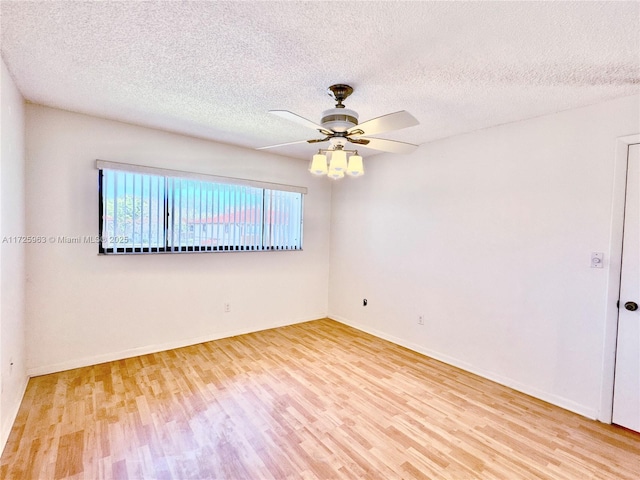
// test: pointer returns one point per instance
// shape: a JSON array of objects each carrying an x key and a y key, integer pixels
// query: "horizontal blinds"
[{"x": 126, "y": 167}]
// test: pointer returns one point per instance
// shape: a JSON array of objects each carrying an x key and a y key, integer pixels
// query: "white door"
[{"x": 626, "y": 392}]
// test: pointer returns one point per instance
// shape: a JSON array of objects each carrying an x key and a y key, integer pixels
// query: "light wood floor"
[{"x": 314, "y": 400}]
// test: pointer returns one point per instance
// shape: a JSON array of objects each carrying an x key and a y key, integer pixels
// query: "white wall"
[
  {"x": 489, "y": 235},
  {"x": 13, "y": 378},
  {"x": 83, "y": 308}
]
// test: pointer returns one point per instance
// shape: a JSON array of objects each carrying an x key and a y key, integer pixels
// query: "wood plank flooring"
[{"x": 317, "y": 400}]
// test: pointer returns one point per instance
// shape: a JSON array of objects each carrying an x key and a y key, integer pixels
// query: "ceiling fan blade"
[
  {"x": 313, "y": 140},
  {"x": 281, "y": 145},
  {"x": 293, "y": 117},
  {"x": 385, "y": 123},
  {"x": 391, "y": 146}
]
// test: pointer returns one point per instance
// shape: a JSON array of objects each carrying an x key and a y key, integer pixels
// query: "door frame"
[{"x": 615, "y": 266}]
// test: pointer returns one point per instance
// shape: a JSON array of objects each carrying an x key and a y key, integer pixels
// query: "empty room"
[{"x": 319, "y": 240}]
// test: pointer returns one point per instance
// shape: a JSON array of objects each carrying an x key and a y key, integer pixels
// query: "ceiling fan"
[{"x": 339, "y": 125}]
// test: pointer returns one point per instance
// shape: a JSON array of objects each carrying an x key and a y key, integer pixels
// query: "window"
[{"x": 150, "y": 210}]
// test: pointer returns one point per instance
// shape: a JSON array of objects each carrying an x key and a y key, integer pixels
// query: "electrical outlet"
[
  {"x": 420, "y": 320},
  {"x": 227, "y": 307}
]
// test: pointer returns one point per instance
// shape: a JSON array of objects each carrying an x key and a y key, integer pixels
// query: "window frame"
[{"x": 169, "y": 177}]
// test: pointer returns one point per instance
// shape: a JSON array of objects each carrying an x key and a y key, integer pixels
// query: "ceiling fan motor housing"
[{"x": 339, "y": 119}]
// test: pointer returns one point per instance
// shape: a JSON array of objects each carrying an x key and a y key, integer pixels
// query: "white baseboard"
[
  {"x": 147, "y": 349},
  {"x": 556, "y": 400},
  {"x": 9, "y": 420}
]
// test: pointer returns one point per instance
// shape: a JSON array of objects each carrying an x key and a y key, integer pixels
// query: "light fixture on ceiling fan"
[
  {"x": 339, "y": 126},
  {"x": 338, "y": 164}
]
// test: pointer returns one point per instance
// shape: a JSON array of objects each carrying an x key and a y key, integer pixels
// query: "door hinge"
[{"x": 618, "y": 304}]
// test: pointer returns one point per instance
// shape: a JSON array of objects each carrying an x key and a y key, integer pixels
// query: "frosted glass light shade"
[
  {"x": 335, "y": 174},
  {"x": 319, "y": 164},
  {"x": 355, "y": 168},
  {"x": 338, "y": 161}
]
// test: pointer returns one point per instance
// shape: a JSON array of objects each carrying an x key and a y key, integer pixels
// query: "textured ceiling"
[{"x": 213, "y": 69}]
